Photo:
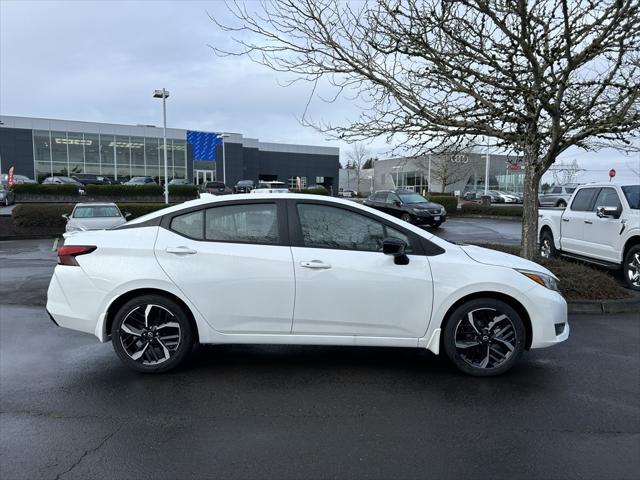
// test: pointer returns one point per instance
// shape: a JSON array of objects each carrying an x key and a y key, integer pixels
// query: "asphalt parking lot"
[{"x": 70, "y": 409}]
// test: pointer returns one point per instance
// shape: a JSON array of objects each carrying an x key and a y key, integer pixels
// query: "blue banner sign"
[{"x": 203, "y": 144}]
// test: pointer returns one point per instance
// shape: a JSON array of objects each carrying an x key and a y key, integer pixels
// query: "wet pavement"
[{"x": 70, "y": 410}]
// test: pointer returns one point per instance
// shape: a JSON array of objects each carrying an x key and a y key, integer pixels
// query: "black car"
[
  {"x": 244, "y": 186},
  {"x": 408, "y": 206},
  {"x": 88, "y": 179},
  {"x": 215, "y": 188}
]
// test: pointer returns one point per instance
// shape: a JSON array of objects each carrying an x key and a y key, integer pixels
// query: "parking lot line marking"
[{"x": 55, "y": 244}]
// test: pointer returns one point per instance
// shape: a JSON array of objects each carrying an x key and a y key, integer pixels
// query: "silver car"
[{"x": 94, "y": 216}]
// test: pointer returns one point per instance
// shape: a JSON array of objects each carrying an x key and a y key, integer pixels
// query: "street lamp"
[
  {"x": 397, "y": 168},
  {"x": 164, "y": 94},
  {"x": 222, "y": 136}
]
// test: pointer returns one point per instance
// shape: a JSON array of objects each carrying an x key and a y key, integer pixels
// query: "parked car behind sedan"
[
  {"x": 140, "y": 181},
  {"x": 244, "y": 186},
  {"x": 557, "y": 195},
  {"x": 179, "y": 181},
  {"x": 94, "y": 216},
  {"x": 62, "y": 180},
  {"x": 216, "y": 188},
  {"x": 88, "y": 179},
  {"x": 17, "y": 179},
  {"x": 408, "y": 206},
  {"x": 7, "y": 196}
]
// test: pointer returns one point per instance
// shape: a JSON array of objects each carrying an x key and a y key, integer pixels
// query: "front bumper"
[
  {"x": 428, "y": 218},
  {"x": 548, "y": 314}
]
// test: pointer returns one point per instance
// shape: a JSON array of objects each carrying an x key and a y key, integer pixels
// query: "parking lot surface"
[{"x": 70, "y": 409}]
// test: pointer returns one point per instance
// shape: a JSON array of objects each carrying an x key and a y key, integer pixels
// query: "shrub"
[
  {"x": 183, "y": 190},
  {"x": 449, "y": 202},
  {"x": 39, "y": 189},
  {"x": 578, "y": 281},
  {"x": 124, "y": 190},
  {"x": 477, "y": 209},
  {"x": 312, "y": 191},
  {"x": 41, "y": 215},
  {"x": 138, "y": 209}
]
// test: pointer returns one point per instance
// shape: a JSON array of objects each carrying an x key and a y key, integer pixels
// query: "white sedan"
[{"x": 304, "y": 270}]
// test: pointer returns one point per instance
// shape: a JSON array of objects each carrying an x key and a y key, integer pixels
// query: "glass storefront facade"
[{"x": 116, "y": 156}]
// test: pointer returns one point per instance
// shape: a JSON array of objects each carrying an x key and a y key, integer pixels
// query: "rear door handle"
[
  {"x": 316, "y": 264},
  {"x": 588, "y": 222},
  {"x": 180, "y": 250}
]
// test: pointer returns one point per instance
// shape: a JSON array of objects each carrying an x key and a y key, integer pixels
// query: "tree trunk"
[{"x": 530, "y": 209}]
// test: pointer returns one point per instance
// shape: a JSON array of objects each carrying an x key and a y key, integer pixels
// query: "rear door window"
[
  {"x": 190, "y": 225},
  {"x": 245, "y": 223}
]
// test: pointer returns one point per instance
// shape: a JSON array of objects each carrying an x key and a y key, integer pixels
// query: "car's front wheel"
[
  {"x": 152, "y": 334},
  {"x": 632, "y": 267},
  {"x": 406, "y": 217},
  {"x": 484, "y": 337}
]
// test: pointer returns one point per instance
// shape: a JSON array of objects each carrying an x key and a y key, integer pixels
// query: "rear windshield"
[
  {"x": 632, "y": 193},
  {"x": 96, "y": 212}
]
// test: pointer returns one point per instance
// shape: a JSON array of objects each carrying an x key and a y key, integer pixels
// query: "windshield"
[
  {"x": 412, "y": 198},
  {"x": 97, "y": 211},
  {"x": 632, "y": 193}
]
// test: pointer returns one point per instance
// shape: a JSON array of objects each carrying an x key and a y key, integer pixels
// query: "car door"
[
  {"x": 601, "y": 234},
  {"x": 394, "y": 205},
  {"x": 574, "y": 218},
  {"x": 233, "y": 262},
  {"x": 345, "y": 285}
]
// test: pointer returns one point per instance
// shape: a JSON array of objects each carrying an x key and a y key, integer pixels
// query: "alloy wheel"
[
  {"x": 633, "y": 270},
  {"x": 150, "y": 334},
  {"x": 485, "y": 338}
]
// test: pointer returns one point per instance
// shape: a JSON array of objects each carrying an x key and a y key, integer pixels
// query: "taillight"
[{"x": 67, "y": 253}]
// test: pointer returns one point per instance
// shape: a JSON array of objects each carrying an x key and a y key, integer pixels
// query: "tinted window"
[
  {"x": 632, "y": 193},
  {"x": 556, "y": 190},
  {"x": 257, "y": 223},
  {"x": 607, "y": 198},
  {"x": 332, "y": 227},
  {"x": 412, "y": 198},
  {"x": 190, "y": 224},
  {"x": 582, "y": 200}
]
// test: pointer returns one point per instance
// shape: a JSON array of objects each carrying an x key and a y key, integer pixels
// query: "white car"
[
  {"x": 94, "y": 216},
  {"x": 299, "y": 269}
]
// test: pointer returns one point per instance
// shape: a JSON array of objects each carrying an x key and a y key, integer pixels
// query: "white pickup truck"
[{"x": 601, "y": 224}]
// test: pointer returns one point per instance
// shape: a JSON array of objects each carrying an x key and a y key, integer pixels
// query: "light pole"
[
  {"x": 164, "y": 94},
  {"x": 429, "y": 176},
  {"x": 222, "y": 136},
  {"x": 486, "y": 172},
  {"x": 396, "y": 168}
]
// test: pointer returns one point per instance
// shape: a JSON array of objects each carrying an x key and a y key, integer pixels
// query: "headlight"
[{"x": 543, "y": 279}]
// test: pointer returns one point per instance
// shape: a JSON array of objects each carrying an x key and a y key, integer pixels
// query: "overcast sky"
[{"x": 101, "y": 60}]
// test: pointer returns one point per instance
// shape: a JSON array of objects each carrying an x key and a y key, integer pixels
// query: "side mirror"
[
  {"x": 397, "y": 248},
  {"x": 127, "y": 214},
  {"x": 603, "y": 212},
  {"x": 65, "y": 216},
  {"x": 398, "y": 203}
]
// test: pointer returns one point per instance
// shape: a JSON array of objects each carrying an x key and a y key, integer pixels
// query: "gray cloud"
[{"x": 101, "y": 60}]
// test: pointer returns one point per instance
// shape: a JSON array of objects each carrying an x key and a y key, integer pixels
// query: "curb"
[{"x": 624, "y": 305}]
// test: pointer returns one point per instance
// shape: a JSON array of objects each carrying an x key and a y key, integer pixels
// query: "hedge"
[
  {"x": 39, "y": 189},
  {"x": 312, "y": 191},
  {"x": 124, "y": 190},
  {"x": 477, "y": 209},
  {"x": 183, "y": 190},
  {"x": 450, "y": 203},
  {"x": 49, "y": 215}
]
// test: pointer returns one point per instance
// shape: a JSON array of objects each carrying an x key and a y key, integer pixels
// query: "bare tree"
[
  {"x": 535, "y": 76},
  {"x": 446, "y": 170},
  {"x": 358, "y": 156}
]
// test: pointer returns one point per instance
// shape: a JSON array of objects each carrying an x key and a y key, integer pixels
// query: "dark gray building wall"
[{"x": 16, "y": 148}]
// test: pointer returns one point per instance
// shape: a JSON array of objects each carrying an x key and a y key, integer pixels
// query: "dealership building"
[{"x": 39, "y": 147}]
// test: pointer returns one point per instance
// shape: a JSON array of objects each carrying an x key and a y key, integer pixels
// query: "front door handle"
[
  {"x": 589, "y": 222},
  {"x": 316, "y": 264},
  {"x": 181, "y": 250},
  {"x": 565, "y": 219}
]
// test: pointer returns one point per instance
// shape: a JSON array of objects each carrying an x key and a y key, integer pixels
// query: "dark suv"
[
  {"x": 244, "y": 186},
  {"x": 408, "y": 206}
]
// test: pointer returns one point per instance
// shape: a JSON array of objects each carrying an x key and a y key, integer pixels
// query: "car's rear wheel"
[
  {"x": 484, "y": 337},
  {"x": 561, "y": 204},
  {"x": 547, "y": 247},
  {"x": 406, "y": 217},
  {"x": 152, "y": 334},
  {"x": 632, "y": 267}
]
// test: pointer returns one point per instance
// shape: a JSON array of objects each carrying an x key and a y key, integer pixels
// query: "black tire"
[
  {"x": 561, "y": 204},
  {"x": 436, "y": 225},
  {"x": 141, "y": 336},
  {"x": 631, "y": 268},
  {"x": 465, "y": 341},
  {"x": 547, "y": 248},
  {"x": 406, "y": 217}
]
